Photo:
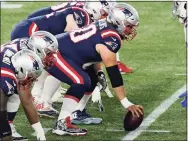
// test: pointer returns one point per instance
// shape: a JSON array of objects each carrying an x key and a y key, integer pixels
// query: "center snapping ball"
[{"x": 131, "y": 123}]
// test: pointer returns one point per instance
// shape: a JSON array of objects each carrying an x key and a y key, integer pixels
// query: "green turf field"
[{"x": 156, "y": 55}]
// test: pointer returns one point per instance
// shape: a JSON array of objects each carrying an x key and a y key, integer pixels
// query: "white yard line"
[
  {"x": 154, "y": 115},
  {"x": 151, "y": 131},
  {"x": 5, "y": 5},
  {"x": 184, "y": 74}
]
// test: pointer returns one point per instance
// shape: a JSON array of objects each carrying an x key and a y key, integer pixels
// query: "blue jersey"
[
  {"x": 48, "y": 10},
  {"x": 80, "y": 45},
  {"x": 55, "y": 22},
  {"x": 8, "y": 78}
]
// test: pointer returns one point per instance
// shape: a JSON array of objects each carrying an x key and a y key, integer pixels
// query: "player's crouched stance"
[
  {"x": 97, "y": 42},
  {"x": 18, "y": 70}
]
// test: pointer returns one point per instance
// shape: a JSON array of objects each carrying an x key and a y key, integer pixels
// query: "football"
[{"x": 131, "y": 123}]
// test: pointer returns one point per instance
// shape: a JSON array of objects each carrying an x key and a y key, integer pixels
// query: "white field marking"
[
  {"x": 5, "y": 5},
  {"x": 184, "y": 74},
  {"x": 154, "y": 115},
  {"x": 151, "y": 131},
  {"x": 45, "y": 131}
]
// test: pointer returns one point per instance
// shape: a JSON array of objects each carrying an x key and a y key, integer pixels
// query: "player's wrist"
[
  {"x": 38, "y": 128},
  {"x": 126, "y": 103},
  {"x": 99, "y": 71}
]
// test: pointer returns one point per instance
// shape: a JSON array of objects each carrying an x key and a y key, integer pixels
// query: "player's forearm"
[
  {"x": 120, "y": 93},
  {"x": 30, "y": 112},
  {"x": 33, "y": 118}
]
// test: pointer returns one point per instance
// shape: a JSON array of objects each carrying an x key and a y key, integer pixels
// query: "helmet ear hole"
[
  {"x": 185, "y": 6},
  {"x": 21, "y": 69},
  {"x": 117, "y": 23},
  {"x": 38, "y": 50}
]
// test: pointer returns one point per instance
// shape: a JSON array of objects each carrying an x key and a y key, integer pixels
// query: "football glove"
[
  {"x": 102, "y": 80},
  {"x": 184, "y": 101}
]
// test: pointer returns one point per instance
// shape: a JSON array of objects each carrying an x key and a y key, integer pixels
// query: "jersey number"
[{"x": 82, "y": 34}]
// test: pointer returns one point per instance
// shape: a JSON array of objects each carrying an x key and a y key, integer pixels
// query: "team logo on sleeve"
[
  {"x": 10, "y": 88},
  {"x": 113, "y": 45},
  {"x": 78, "y": 18}
]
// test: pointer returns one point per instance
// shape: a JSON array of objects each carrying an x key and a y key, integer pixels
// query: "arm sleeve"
[{"x": 113, "y": 43}]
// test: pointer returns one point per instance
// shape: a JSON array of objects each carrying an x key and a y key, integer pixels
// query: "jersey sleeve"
[
  {"x": 112, "y": 40},
  {"x": 8, "y": 78},
  {"x": 40, "y": 12},
  {"x": 8, "y": 86},
  {"x": 81, "y": 16}
]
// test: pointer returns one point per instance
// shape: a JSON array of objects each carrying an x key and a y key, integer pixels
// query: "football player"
[
  {"x": 78, "y": 51},
  {"x": 106, "y": 6},
  {"x": 55, "y": 23},
  {"x": 19, "y": 68},
  {"x": 180, "y": 11}
]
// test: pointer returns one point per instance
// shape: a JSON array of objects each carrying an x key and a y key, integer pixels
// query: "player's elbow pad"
[{"x": 115, "y": 76}]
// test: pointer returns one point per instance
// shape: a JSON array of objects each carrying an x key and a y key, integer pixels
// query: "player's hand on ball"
[{"x": 136, "y": 110}]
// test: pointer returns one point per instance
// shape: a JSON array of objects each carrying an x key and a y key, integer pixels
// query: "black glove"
[{"x": 102, "y": 80}]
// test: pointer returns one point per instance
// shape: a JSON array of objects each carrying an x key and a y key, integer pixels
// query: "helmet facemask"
[
  {"x": 49, "y": 60},
  {"x": 129, "y": 32}
]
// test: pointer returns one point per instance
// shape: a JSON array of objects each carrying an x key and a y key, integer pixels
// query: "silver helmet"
[
  {"x": 44, "y": 44},
  {"x": 180, "y": 10},
  {"x": 94, "y": 9},
  {"x": 108, "y": 4},
  {"x": 125, "y": 18},
  {"x": 27, "y": 65}
]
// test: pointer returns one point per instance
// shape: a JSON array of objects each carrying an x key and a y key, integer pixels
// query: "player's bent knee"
[
  {"x": 5, "y": 130},
  {"x": 77, "y": 90}
]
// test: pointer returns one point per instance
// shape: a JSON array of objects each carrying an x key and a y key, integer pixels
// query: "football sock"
[
  {"x": 38, "y": 85},
  {"x": 51, "y": 85},
  {"x": 12, "y": 106},
  {"x": 69, "y": 104},
  {"x": 82, "y": 104}
]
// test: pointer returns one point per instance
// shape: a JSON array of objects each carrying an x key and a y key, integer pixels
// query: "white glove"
[
  {"x": 41, "y": 137},
  {"x": 39, "y": 131}
]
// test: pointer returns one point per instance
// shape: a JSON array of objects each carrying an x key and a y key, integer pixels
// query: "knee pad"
[
  {"x": 77, "y": 90},
  {"x": 5, "y": 129},
  {"x": 13, "y": 103}
]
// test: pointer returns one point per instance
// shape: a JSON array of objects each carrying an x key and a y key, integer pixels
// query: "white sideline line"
[{"x": 154, "y": 115}]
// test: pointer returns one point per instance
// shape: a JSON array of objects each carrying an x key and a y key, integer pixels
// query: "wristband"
[
  {"x": 38, "y": 128},
  {"x": 126, "y": 103}
]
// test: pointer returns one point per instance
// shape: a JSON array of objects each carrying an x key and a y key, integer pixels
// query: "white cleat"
[
  {"x": 15, "y": 135},
  {"x": 45, "y": 109}
]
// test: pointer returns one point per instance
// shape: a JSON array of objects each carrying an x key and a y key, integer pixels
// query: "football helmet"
[
  {"x": 180, "y": 10},
  {"x": 27, "y": 64},
  {"x": 44, "y": 44},
  {"x": 94, "y": 9},
  {"x": 108, "y": 4},
  {"x": 125, "y": 19}
]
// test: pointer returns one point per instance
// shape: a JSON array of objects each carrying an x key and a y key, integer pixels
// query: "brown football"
[{"x": 131, "y": 123}]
